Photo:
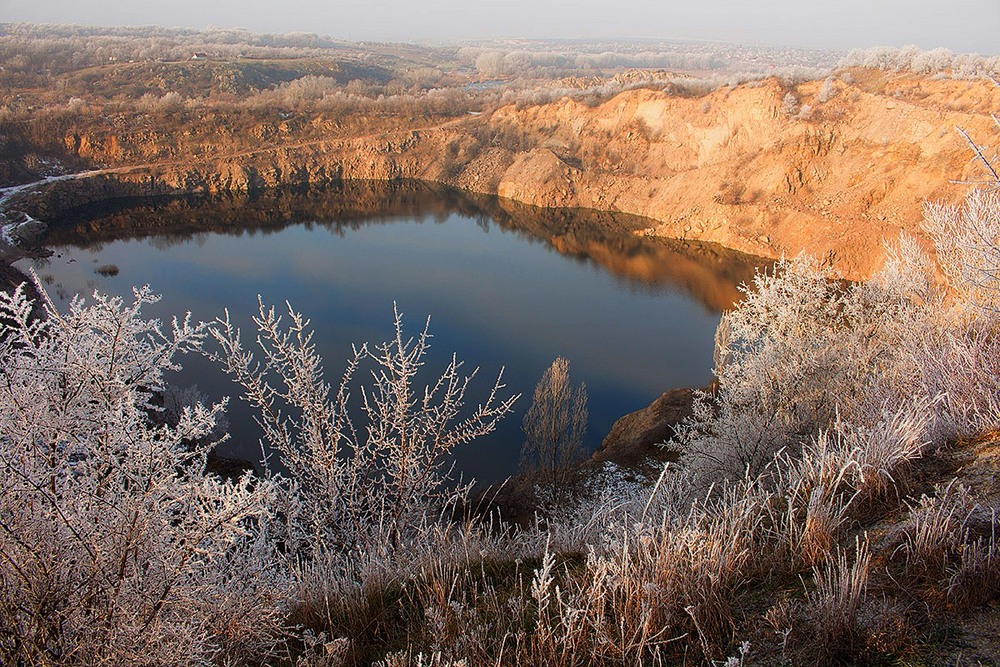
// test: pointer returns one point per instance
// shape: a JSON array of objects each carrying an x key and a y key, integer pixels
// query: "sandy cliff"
[{"x": 741, "y": 166}]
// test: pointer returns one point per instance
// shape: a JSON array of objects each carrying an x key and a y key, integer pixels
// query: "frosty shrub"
[
  {"x": 962, "y": 357},
  {"x": 776, "y": 368},
  {"x": 805, "y": 348},
  {"x": 354, "y": 484},
  {"x": 116, "y": 546},
  {"x": 170, "y": 102},
  {"x": 967, "y": 240},
  {"x": 790, "y": 104},
  {"x": 827, "y": 90}
]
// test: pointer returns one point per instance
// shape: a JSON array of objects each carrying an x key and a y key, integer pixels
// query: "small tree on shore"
[{"x": 554, "y": 424}]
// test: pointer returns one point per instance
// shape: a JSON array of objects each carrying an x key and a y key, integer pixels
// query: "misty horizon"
[{"x": 964, "y": 26}]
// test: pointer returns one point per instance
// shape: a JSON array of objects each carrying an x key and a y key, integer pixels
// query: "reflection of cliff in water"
[{"x": 708, "y": 272}]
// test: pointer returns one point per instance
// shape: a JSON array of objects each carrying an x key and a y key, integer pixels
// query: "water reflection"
[
  {"x": 708, "y": 272},
  {"x": 634, "y": 315}
]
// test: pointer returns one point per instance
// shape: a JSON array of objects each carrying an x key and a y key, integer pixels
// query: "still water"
[{"x": 505, "y": 285}]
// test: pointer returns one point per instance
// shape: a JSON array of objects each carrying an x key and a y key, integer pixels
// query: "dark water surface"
[{"x": 504, "y": 284}]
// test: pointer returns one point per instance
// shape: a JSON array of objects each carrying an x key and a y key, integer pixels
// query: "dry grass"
[
  {"x": 840, "y": 592},
  {"x": 950, "y": 548}
]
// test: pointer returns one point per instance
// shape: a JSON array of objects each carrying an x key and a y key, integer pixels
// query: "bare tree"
[
  {"x": 554, "y": 424},
  {"x": 967, "y": 237},
  {"x": 365, "y": 479}
]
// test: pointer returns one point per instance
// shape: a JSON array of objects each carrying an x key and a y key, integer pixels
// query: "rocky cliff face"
[{"x": 828, "y": 169}]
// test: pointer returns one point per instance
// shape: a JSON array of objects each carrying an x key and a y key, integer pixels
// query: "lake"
[{"x": 505, "y": 285}]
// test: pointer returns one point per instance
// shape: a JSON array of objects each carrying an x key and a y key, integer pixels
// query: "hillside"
[
  {"x": 828, "y": 167},
  {"x": 734, "y": 168}
]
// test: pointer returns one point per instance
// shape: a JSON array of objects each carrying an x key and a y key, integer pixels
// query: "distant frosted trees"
[{"x": 934, "y": 61}]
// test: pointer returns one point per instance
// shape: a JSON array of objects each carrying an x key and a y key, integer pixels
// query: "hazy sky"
[{"x": 960, "y": 25}]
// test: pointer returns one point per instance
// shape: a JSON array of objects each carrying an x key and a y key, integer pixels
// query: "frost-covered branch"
[
  {"x": 115, "y": 543},
  {"x": 357, "y": 486}
]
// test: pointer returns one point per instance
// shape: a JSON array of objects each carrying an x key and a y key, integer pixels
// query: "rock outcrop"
[{"x": 637, "y": 436}]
